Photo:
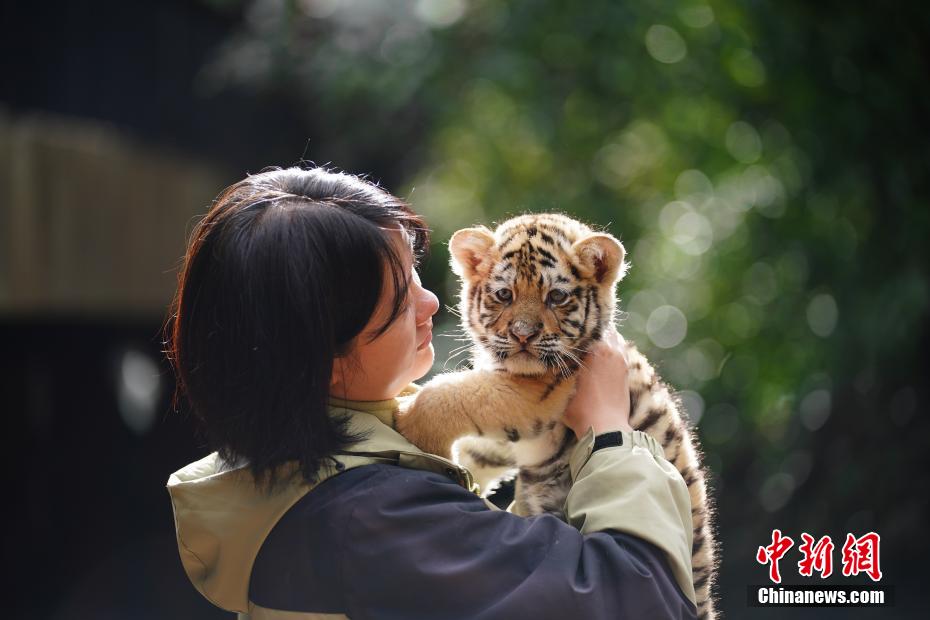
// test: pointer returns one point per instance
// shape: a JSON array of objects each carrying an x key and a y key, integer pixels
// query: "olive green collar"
[{"x": 384, "y": 410}]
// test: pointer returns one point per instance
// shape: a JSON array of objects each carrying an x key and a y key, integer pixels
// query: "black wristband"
[{"x": 608, "y": 440}]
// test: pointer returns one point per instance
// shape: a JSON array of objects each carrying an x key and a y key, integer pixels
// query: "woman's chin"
[{"x": 423, "y": 362}]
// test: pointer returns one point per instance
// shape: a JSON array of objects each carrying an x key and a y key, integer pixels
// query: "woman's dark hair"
[{"x": 280, "y": 276}]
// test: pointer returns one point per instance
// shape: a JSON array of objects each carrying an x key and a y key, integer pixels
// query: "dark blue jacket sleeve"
[{"x": 416, "y": 545}]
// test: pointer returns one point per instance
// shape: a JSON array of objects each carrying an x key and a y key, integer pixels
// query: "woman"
[{"x": 299, "y": 318}]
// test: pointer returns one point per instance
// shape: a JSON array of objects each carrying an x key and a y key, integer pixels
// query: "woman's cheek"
[{"x": 422, "y": 363}]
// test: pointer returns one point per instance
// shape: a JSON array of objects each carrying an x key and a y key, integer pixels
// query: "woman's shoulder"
[
  {"x": 365, "y": 497},
  {"x": 379, "y": 484},
  {"x": 315, "y": 533}
]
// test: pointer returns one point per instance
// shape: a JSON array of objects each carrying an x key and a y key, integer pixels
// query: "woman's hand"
[{"x": 602, "y": 397}]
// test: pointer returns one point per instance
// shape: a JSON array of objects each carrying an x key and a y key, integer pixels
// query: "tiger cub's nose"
[{"x": 524, "y": 331}]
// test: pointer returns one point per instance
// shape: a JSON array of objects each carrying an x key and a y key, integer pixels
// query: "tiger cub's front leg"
[{"x": 482, "y": 403}]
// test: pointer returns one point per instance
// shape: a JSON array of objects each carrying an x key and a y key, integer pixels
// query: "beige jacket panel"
[
  {"x": 222, "y": 517},
  {"x": 264, "y": 613}
]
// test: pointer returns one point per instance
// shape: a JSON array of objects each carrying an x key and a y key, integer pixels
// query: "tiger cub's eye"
[
  {"x": 557, "y": 297},
  {"x": 504, "y": 294}
]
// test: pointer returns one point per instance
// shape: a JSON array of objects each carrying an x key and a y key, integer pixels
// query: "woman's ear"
[
  {"x": 345, "y": 370},
  {"x": 471, "y": 252},
  {"x": 601, "y": 256},
  {"x": 338, "y": 375}
]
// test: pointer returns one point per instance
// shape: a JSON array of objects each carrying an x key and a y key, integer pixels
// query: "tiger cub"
[{"x": 536, "y": 293}]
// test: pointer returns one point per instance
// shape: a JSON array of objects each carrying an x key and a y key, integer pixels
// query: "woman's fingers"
[
  {"x": 613, "y": 338},
  {"x": 602, "y": 397}
]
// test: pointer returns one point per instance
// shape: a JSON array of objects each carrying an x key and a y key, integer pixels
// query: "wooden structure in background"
[{"x": 92, "y": 223}]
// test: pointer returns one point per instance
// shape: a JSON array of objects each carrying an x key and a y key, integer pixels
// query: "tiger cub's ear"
[
  {"x": 601, "y": 256},
  {"x": 471, "y": 252}
]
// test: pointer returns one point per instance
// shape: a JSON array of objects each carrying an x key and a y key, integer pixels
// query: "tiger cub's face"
[{"x": 537, "y": 291}]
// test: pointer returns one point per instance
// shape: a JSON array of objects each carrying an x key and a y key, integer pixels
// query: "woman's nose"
[{"x": 429, "y": 305}]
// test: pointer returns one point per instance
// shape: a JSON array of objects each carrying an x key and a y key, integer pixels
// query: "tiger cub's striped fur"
[{"x": 536, "y": 294}]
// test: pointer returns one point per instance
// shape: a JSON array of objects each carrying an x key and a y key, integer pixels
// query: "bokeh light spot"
[
  {"x": 746, "y": 69},
  {"x": 776, "y": 491},
  {"x": 693, "y": 233},
  {"x": 665, "y": 44},
  {"x": 404, "y": 45},
  {"x": 669, "y": 215},
  {"x": 703, "y": 361},
  {"x": 693, "y": 405},
  {"x": 815, "y": 409},
  {"x": 697, "y": 16},
  {"x": 693, "y": 186},
  {"x": 319, "y": 9},
  {"x": 822, "y": 314},
  {"x": 637, "y": 149},
  {"x": 439, "y": 13},
  {"x": 666, "y": 326},
  {"x": 743, "y": 142},
  {"x": 138, "y": 390},
  {"x": 699, "y": 364}
]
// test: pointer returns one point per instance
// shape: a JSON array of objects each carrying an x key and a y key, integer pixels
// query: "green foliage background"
[{"x": 765, "y": 164}]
